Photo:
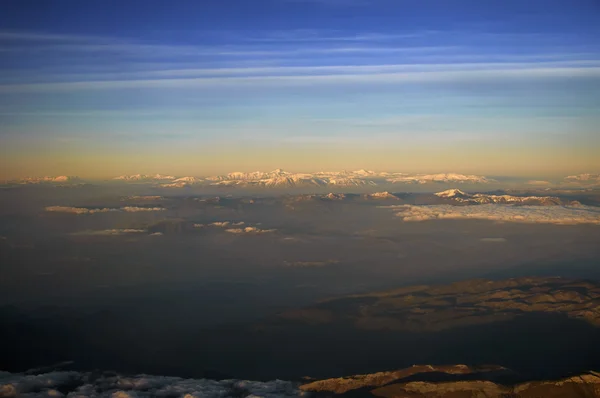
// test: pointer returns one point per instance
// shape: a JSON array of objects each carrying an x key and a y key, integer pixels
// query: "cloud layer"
[
  {"x": 117, "y": 386},
  {"x": 562, "y": 215},
  {"x": 86, "y": 210},
  {"x": 249, "y": 230},
  {"x": 112, "y": 232}
]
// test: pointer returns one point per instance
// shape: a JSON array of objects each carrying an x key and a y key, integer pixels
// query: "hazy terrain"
[{"x": 141, "y": 279}]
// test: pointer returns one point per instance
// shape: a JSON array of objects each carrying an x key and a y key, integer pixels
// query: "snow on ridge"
[
  {"x": 438, "y": 178},
  {"x": 144, "y": 177},
  {"x": 451, "y": 193},
  {"x": 87, "y": 384},
  {"x": 382, "y": 195},
  {"x": 482, "y": 198},
  {"x": 560, "y": 215},
  {"x": 281, "y": 178},
  {"x": 49, "y": 179},
  {"x": 338, "y": 178}
]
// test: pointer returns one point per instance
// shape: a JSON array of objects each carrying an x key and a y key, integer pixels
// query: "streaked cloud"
[
  {"x": 295, "y": 80},
  {"x": 333, "y": 3}
]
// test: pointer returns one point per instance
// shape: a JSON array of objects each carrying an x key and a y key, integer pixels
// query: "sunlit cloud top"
[{"x": 92, "y": 88}]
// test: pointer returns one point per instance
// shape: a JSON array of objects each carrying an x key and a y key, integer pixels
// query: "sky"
[{"x": 103, "y": 88}]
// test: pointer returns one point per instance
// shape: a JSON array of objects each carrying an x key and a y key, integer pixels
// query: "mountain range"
[
  {"x": 433, "y": 308},
  {"x": 282, "y": 179},
  {"x": 458, "y": 196},
  {"x": 279, "y": 178},
  {"x": 49, "y": 179},
  {"x": 144, "y": 177}
]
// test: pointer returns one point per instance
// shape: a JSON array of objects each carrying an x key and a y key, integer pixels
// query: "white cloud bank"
[
  {"x": 221, "y": 224},
  {"x": 562, "y": 215},
  {"x": 249, "y": 230},
  {"x": 77, "y": 384},
  {"x": 85, "y": 210}
]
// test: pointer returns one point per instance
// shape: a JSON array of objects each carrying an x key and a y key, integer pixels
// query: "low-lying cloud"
[
  {"x": 249, "y": 230},
  {"x": 76, "y": 384},
  {"x": 538, "y": 182},
  {"x": 86, "y": 210},
  {"x": 561, "y": 215},
  {"x": 309, "y": 264},
  {"x": 221, "y": 224},
  {"x": 112, "y": 232},
  {"x": 493, "y": 240}
]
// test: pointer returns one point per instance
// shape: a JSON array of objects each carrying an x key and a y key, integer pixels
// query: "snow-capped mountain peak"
[
  {"x": 381, "y": 195},
  {"x": 49, "y": 179},
  {"x": 450, "y": 193},
  {"x": 144, "y": 177}
]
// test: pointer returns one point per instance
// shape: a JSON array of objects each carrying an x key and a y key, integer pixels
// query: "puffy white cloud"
[
  {"x": 249, "y": 230},
  {"x": 584, "y": 177},
  {"x": 133, "y": 209},
  {"x": 85, "y": 210},
  {"x": 115, "y": 386},
  {"x": 564, "y": 215},
  {"x": 78, "y": 210},
  {"x": 220, "y": 224}
]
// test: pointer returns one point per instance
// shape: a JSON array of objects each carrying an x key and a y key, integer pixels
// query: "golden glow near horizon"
[{"x": 98, "y": 164}]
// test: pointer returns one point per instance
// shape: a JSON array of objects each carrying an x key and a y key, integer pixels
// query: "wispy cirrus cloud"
[
  {"x": 334, "y": 69},
  {"x": 30, "y": 36},
  {"x": 395, "y": 77},
  {"x": 313, "y": 35},
  {"x": 333, "y": 3}
]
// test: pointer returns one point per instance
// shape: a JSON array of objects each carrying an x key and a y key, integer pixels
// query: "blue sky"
[{"x": 200, "y": 87}]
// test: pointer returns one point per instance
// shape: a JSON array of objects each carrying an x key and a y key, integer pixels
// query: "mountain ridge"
[{"x": 454, "y": 381}]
